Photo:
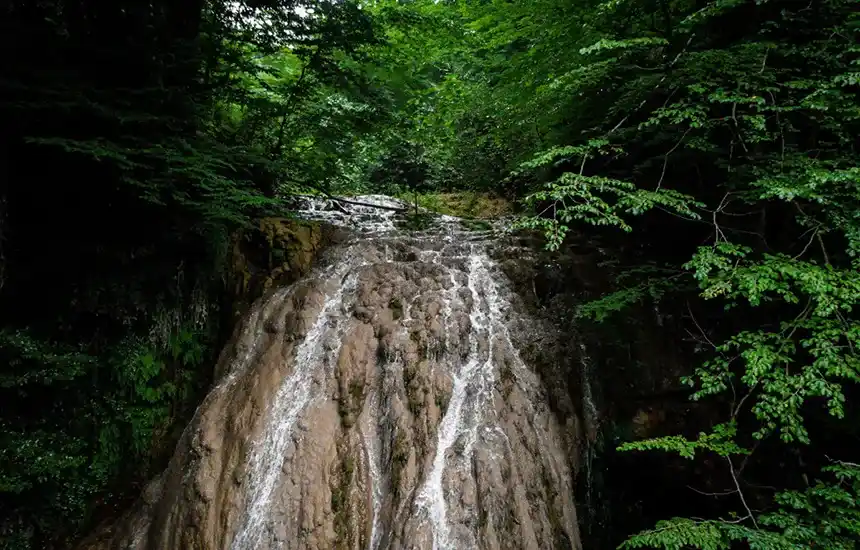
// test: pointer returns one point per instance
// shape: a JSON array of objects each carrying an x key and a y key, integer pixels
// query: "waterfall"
[
  {"x": 380, "y": 403},
  {"x": 295, "y": 393}
]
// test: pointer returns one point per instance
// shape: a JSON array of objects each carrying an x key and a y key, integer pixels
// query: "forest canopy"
[{"x": 712, "y": 145}]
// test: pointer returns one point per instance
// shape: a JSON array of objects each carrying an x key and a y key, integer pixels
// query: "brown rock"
[{"x": 376, "y": 404}]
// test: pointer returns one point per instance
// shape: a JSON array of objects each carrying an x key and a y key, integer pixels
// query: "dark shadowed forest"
[{"x": 711, "y": 149}]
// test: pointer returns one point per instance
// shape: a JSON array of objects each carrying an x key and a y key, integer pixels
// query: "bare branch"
[
  {"x": 842, "y": 462},
  {"x": 764, "y": 61},
  {"x": 339, "y": 200},
  {"x": 823, "y": 250},
  {"x": 737, "y": 126},
  {"x": 726, "y": 493},
  {"x": 817, "y": 233},
  {"x": 812, "y": 238},
  {"x": 358, "y": 203},
  {"x": 739, "y": 520},
  {"x": 666, "y": 158},
  {"x": 743, "y": 399},
  {"x": 740, "y": 493},
  {"x": 701, "y": 330}
]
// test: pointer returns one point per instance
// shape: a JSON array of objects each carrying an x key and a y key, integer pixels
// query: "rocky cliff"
[{"x": 380, "y": 402}]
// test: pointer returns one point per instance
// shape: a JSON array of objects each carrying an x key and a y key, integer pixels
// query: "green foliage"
[
  {"x": 679, "y": 533},
  {"x": 605, "y": 44},
  {"x": 720, "y": 441},
  {"x": 597, "y": 201},
  {"x": 824, "y": 515},
  {"x": 403, "y": 167},
  {"x": 87, "y": 434},
  {"x": 822, "y": 334},
  {"x": 645, "y": 283},
  {"x": 32, "y": 362},
  {"x": 463, "y": 204}
]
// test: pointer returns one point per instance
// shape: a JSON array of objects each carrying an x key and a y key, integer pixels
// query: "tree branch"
[
  {"x": 666, "y": 158},
  {"x": 333, "y": 198},
  {"x": 657, "y": 86},
  {"x": 740, "y": 493}
]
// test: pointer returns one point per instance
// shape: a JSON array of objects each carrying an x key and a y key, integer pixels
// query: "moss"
[
  {"x": 464, "y": 204},
  {"x": 292, "y": 243},
  {"x": 399, "y": 458},
  {"x": 508, "y": 520},
  {"x": 554, "y": 518},
  {"x": 401, "y": 449},
  {"x": 442, "y": 399},
  {"x": 414, "y": 391},
  {"x": 346, "y": 416},
  {"x": 506, "y": 377},
  {"x": 416, "y": 401},
  {"x": 339, "y": 502},
  {"x": 410, "y": 370},
  {"x": 356, "y": 392},
  {"x": 349, "y": 402},
  {"x": 415, "y": 222},
  {"x": 278, "y": 252},
  {"x": 396, "y": 306},
  {"x": 483, "y": 518},
  {"x": 477, "y": 225}
]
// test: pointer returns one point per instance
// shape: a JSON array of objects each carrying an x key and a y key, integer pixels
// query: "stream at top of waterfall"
[{"x": 379, "y": 403}]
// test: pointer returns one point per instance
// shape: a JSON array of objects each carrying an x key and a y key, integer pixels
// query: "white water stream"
[{"x": 294, "y": 395}]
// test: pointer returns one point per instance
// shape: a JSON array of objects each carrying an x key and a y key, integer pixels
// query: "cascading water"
[
  {"x": 380, "y": 403},
  {"x": 470, "y": 395},
  {"x": 295, "y": 393}
]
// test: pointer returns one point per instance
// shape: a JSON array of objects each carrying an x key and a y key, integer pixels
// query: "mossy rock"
[
  {"x": 399, "y": 458},
  {"x": 411, "y": 221},
  {"x": 277, "y": 252},
  {"x": 340, "y": 501},
  {"x": 396, "y": 307},
  {"x": 477, "y": 225}
]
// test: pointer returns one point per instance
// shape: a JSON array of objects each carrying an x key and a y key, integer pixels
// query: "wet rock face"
[
  {"x": 379, "y": 403},
  {"x": 277, "y": 252}
]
